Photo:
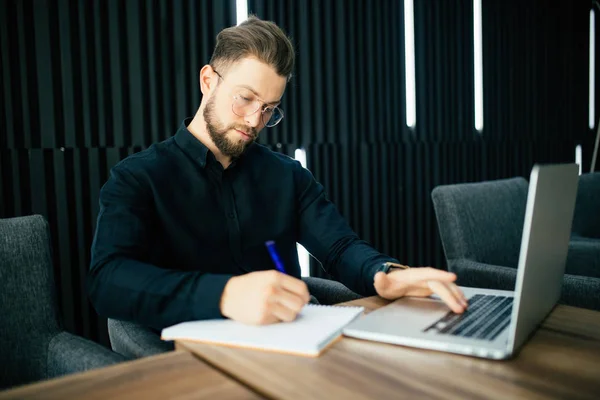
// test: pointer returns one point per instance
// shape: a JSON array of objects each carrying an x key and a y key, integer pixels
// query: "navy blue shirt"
[{"x": 174, "y": 227}]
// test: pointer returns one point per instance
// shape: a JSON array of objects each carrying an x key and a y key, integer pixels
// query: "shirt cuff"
[{"x": 208, "y": 304}]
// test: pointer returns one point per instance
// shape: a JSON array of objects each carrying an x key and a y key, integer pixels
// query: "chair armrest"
[
  {"x": 481, "y": 275},
  {"x": 581, "y": 291},
  {"x": 134, "y": 340},
  {"x": 329, "y": 292},
  {"x": 68, "y": 353},
  {"x": 577, "y": 291}
]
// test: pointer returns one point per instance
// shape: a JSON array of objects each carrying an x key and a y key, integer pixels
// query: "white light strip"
[
  {"x": 241, "y": 9},
  {"x": 478, "y": 64},
  {"x": 303, "y": 256},
  {"x": 300, "y": 155},
  {"x": 304, "y": 260},
  {"x": 592, "y": 111},
  {"x": 409, "y": 63},
  {"x": 578, "y": 157}
]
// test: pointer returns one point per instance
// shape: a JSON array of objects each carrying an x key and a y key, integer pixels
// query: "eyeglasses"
[{"x": 245, "y": 103}]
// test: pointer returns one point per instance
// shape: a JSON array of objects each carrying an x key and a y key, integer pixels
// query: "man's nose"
[{"x": 254, "y": 120}]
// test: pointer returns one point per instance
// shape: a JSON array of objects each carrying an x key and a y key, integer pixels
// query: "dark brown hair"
[{"x": 254, "y": 38}]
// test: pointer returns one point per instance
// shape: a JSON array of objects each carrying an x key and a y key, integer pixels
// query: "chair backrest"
[
  {"x": 482, "y": 221},
  {"x": 27, "y": 299},
  {"x": 586, "y": 220}
]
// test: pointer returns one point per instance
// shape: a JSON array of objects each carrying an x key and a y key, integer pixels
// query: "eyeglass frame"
[{"x": 261, "y": 107}]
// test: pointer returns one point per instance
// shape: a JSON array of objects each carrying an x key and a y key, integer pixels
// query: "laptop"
[{"x": 497, "y": 322}]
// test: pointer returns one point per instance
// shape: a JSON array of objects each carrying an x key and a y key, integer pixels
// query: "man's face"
[{"x": 246, "y": 79}]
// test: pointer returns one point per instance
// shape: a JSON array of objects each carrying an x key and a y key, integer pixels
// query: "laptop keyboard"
[{"x": 485, "y": 318}]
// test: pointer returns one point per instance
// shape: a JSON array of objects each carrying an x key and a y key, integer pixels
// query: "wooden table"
[
  {"x": 562, "y": 360},
  {"x": 171, "y": 375}
]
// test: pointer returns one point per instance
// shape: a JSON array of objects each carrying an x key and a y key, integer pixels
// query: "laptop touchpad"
[
  {"x": 420, "y": 305},
  {"x": 415, "y": 310}
]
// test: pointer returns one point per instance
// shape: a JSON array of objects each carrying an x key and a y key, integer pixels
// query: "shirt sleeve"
[
  {"x": 324, "y": 232},
  {"x": 122, "y": 284}
]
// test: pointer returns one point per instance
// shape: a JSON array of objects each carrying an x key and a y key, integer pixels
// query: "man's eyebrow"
[{"x": 270, "y": 103}]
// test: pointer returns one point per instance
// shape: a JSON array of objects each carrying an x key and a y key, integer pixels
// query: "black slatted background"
[
  {"x": 85, "y": 83},
  {"x": 348, "y": 99}
]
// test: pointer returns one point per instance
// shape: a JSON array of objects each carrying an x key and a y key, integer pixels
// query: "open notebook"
[{"x": 313, "y": 330}]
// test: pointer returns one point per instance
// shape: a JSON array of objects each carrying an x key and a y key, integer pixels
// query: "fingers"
[
  {"x": 427, "y": 274},
  {"x": 282, "y": 306},
  {"x": 458, "y": 294},
  {"x": 263, "y": 297},
  {"x": 282, "y": 313},
  {"x": 268, "y": 319},
  {"x": 411, "y": 282},
  {"x": 293, "y": 285},
  {"x": 448, "y": 295},
  {"x": 289, "y": 300},
  {"x": 421, "y": 282},
  {"x": 286, "y": 297}
]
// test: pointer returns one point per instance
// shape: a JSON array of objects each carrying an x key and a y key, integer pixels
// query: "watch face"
[
  {"x": 396, "y": 266},
  {"x": 385, "y": 268},
  {"x": 388, "y": 267}
]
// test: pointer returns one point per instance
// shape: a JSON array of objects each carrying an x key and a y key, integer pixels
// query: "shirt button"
[{"x": 231, "y": 215}]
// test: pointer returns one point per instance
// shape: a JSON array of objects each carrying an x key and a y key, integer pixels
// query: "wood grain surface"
[
  {"x": 173, "y": 375},
  {"x": 561, "y": 360}
]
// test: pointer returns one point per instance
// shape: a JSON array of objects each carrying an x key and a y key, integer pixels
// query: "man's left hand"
[{"x": 421, "y": 282}]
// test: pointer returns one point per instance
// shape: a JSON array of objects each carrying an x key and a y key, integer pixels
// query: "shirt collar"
[
  {"x": 196, "y": 149},
  {"x": 190, "y": 144}
]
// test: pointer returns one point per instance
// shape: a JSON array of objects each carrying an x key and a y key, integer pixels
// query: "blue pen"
[{"x": 274, "y": 256}]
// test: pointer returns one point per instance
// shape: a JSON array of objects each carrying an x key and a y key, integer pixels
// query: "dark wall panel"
[
  {"x": 349, "y": 79},
  {"x": 103, "y": 73},
  {"x": 384, "y": 189},
  {"x": 84, "y": 84},
  {"x": 349, "y": 95}
]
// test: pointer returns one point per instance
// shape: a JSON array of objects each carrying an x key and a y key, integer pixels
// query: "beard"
[{"x": 218, "y": 133}]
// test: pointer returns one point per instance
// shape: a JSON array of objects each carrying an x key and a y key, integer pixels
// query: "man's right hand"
[{"x": 263, "y": 297}]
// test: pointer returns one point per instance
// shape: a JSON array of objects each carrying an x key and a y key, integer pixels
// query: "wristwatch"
[{"x": 388, "y": 267}]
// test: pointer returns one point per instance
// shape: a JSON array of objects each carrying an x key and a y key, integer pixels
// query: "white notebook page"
[{"x": 315, "y": 327}]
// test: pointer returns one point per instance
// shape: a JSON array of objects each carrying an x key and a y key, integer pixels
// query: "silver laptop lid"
[{"x": 544, "y": 245}]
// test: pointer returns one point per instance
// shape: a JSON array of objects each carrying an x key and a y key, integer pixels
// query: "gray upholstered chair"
[
  {"x": 584, "y": 249},
  {"x": 134, "y": 340},
  {"x": 33, "y": 345},
  {"x": 481, "y": 225}
]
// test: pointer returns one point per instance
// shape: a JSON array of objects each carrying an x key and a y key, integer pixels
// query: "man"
[{"x": 182, "y": 225}]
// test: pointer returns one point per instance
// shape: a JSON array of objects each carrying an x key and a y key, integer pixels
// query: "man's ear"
[{"x": 208, "y": 79}]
